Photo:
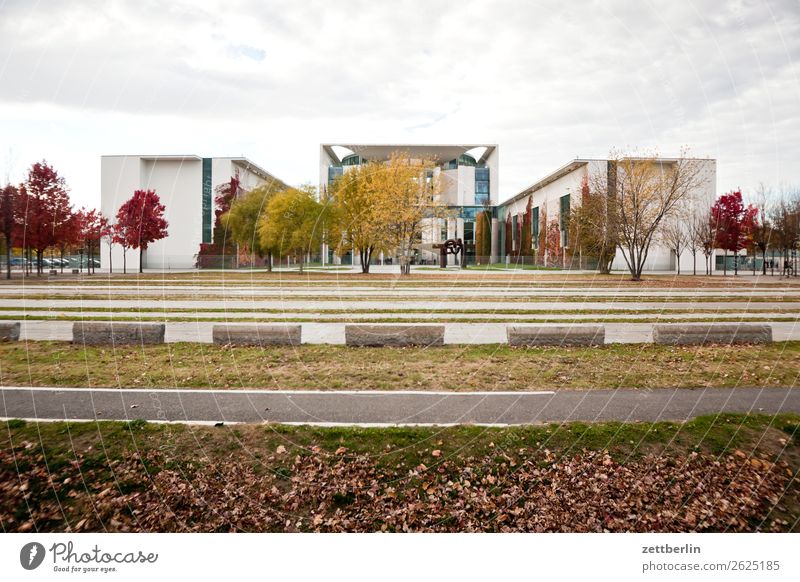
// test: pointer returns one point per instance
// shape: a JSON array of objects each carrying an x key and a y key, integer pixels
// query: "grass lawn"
[
  {"x": 327, "y": 367},
  {"x": 723, "y": 473}
]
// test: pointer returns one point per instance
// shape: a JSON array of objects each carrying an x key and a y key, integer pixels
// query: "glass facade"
[
  {"x": 482, "y": 194},
  {"x": 334, "y": 172},
  {"x": 463, "y": 160},
  {"x": 352, "y": 160},
  {"x": 208, "y": 202}
]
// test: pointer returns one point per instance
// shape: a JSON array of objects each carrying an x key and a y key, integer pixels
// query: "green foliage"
[{"x": 242, "y": 220}]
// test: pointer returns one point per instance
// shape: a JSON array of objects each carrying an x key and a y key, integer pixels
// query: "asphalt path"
[{"x": 388, "y": 408}]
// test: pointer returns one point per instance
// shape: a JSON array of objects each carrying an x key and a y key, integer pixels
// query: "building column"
[{"x": 495, "y": 256}]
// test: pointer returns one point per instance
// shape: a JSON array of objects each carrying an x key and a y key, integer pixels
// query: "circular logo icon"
[{"x": 31, "y": 555}]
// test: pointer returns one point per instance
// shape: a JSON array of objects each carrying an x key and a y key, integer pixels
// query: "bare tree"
[
  {"x": 646, "y": 191},
  {"x": 785, "y": 219},
  {"x": 694, "y": 242},
  {"x": 676, "y": 237}
]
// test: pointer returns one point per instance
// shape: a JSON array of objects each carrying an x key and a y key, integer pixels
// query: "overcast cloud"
[{"x": 547, "y": 81}]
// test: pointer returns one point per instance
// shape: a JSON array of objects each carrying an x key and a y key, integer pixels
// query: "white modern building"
[
  {"x": 471, "y": 184},
  {"x": 468, "y": 174},
  {"x": 186, "y": 185},
  {"x": 552, "y": 197}
]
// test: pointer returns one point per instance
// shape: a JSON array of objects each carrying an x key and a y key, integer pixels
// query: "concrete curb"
[
  {"x": 712, "y": 333},
  {"x": 573, "y": 335},
  {"x": 94, "y": 333},
  {"x": 257, "y": 335},
  {"x": 394, "y": 335},
  {"x": 9, "y": 331}
]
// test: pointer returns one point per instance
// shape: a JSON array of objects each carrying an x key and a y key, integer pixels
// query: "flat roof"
[
  {"x": 238, "y": 160},
  {"x": 573, "y": 165},
  {"x": 442, "y": 152}
]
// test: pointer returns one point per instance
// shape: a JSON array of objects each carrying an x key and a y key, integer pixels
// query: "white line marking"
[{"x": 284, "y": 392}]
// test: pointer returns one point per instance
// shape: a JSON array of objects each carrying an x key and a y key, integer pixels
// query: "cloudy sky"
[{"x": 547, "y": 81}]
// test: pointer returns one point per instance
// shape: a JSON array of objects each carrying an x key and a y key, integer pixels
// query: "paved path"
[
  {"x": 349, "y": 292},
  {"x": 419, "y": 316},
  {"x": 486, "y": 306},
  {"x": 389, "y": 408}
]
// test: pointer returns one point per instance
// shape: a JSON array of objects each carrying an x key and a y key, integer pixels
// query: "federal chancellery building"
[{"x": 530, "y": 226}]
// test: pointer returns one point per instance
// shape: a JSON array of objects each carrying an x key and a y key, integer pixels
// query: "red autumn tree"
[
  {"x": 9, "y": 198},
  {"x": 222, "y": 249},
  {"x": 732, "y": 222},
  {"x": 68, "y": 235},
  {"x": 93, "y": 226},
  {"x": 119, "y": 236},
  {"x": 45, "y": 209},
  {"x": 142, "y": 221}
]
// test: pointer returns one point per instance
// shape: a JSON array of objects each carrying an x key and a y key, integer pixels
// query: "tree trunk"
[
  {"x": 300, "y": 263},
  {"x": 694, "y": 264},
  {"x": 124, "y": 260},
  {"x": 725, "y": 263},
  {"x": 140, "y": 259},
  {"x": 764, "y": 261},
  {"x": 678, "y": 261},
  {"x": 110, "y": 265},
  {"x": 736, "y": 263}
]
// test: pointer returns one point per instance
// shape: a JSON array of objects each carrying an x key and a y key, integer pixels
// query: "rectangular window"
[
  {"x": 514, "y": 233},
  {"x": 208, "y": 202},
  {"x": 482, "y": 195},
  {"x": 563, "y": 220},
  {"x": 444, "y": 230},
  {"x": 469, "y": 232},
  {"x": 535, "y": 227},
  {"x": 334, "y": 172}
]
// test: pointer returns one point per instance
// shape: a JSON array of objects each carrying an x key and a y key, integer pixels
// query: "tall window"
[
  {"x": 514, "y": 241},
  {"x": 535, "y": 227},
  {"x": 334, "y": 172},
  {"x": 481, "y": 185},
  {"x": 469, "y": 231},
  {"x": 208, "y": 202},
  {"x": 563, "y": 221}
]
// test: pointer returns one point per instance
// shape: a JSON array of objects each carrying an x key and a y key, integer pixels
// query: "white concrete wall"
[
  {"x": 493, "y": 163},
  {"x": 466, "y": 186},
  {"x": 179, "y": 184},
  {"x": 449, "y": 185}
]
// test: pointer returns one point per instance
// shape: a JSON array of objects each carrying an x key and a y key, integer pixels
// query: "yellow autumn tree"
[
  {"x": 408, "y": 191},
  {"x": 356, "y": 201}
]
